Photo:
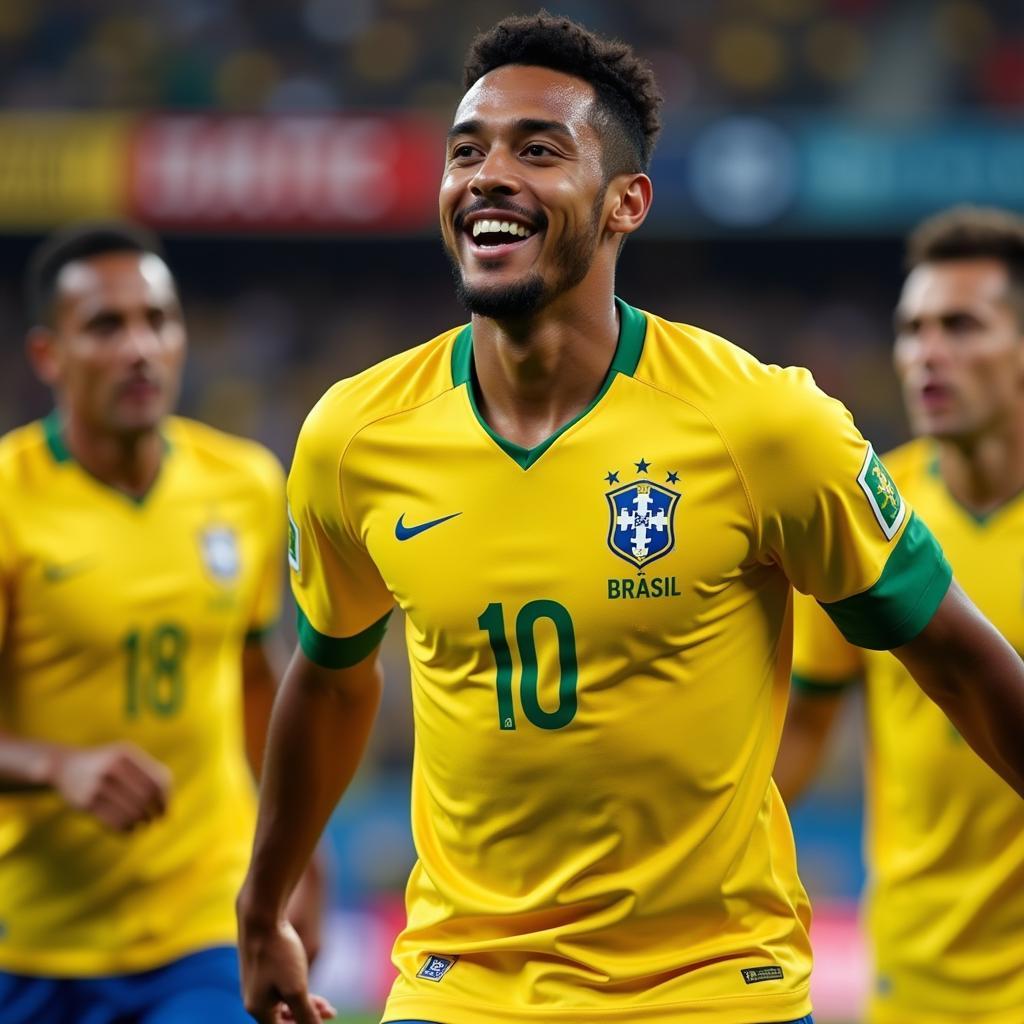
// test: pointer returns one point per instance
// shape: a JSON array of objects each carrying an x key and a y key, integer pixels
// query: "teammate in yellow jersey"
[
  {"x": 946, "y": 854},
  {"x": 592, "y": 519},
  {"x": 140, "y": 564}
]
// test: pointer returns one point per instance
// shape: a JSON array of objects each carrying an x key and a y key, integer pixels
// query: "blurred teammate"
[
  {"x": 591, "y": 518},
  {"x": 140, "y": 561},
  {"x": 946, "y": 906}
]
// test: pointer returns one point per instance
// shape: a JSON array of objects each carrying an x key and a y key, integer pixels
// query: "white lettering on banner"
[{"x": 257, "y": 170}]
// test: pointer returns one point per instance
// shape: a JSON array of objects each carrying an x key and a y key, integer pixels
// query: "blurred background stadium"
[{"x": 289, "y": 152}]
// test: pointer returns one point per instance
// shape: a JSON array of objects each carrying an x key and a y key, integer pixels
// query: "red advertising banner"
[{"x": 318, "y": 174}]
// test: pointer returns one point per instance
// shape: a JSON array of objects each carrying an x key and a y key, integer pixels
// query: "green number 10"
[{"x": 493, "y": 620}]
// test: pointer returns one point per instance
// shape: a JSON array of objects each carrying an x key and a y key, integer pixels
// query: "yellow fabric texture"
[
  {"x": 597, "y": 830},
  {"x": 945, "y": 903},
  {"x": 125, "y": 621}
]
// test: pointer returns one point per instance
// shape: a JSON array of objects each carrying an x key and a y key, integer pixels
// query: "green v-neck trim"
[
  {"x": 61, "y": 453},
  {"x": 982, "y": 519},
  {"x": 54, "y": 441},
  {"x": 628, "y": 349}
]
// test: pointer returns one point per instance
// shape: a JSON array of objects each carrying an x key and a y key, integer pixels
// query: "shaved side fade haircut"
[
  {"x": 973, "y": 233},
  {"x": 626, "y": 94},
  {"x": 78, "y": 242}
]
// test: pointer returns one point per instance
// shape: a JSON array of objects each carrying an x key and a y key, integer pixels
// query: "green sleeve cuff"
[
  {"x": 812, "y": 687},
  {"x": 908, "y": 593},
  {"x": 339, "y": 652}
]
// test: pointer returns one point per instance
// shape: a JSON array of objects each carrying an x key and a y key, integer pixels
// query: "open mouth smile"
[{"x": 493, "y": 236}]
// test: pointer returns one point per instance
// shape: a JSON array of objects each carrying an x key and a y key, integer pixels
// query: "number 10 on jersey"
[{"x": 493, "y": 621}]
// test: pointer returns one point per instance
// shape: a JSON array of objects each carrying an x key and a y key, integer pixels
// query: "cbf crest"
[
  {"x": 642, "y": 514},
  {"x": 221, "y": 556}
]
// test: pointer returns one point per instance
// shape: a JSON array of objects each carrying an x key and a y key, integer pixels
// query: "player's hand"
[
  {"x": 275, "y": 984},
  {"x": 118, "y": 784},
  {"x": 306, "y": 907}
]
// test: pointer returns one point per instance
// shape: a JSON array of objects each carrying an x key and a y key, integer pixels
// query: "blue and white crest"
[
  {"x": 220, "y": 552},
  {"x": 642, "y": 527}
]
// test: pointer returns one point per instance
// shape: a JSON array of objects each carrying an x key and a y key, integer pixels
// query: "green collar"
[
  {"x": 54, "y": 440},
  {"x": 61, "y": 453},
  {"x": 630, "y": 346}
]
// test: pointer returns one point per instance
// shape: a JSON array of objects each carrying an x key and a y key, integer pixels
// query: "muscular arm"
[
  {"x": 319, "y": 729},
  {"x": 305, "y": 907},
  {"x": 962, "y": 662},
  {"x": 809, "y": 722}
]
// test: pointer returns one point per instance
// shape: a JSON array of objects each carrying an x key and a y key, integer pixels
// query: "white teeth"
[{"x": 501, "y": 226}]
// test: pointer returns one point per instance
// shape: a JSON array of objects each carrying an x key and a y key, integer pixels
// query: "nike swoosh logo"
[
  {"x": 403, "y": 532},
  {"x": 59, "y": 573}
]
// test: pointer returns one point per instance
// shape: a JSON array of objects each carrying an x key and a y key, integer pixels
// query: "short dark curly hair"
[
  {"x": 968, "y": 232},
  {"x": 78, "y": 242},
  {"x": 627, "y": 97}
]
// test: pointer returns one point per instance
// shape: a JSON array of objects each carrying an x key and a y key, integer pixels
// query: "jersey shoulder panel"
[
  {"x": 227, "y": 456},
  {"x": 690, "y": 362},
  {"x": 910, "y": 461},
  {"x": 22, "y": 473},
  {"x": 23, "y": 458},
  {"x": 754, "y": 400},
  {"x": 779, "y": 427},
  {"x": 393, "y": 386}
]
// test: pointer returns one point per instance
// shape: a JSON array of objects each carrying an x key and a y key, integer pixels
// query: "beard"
[
  {"x": 572, "y": 257},
  {"x": 501, "y": 302}
]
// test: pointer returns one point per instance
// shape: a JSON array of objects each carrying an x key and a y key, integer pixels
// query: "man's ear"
[
  {"x": 629, "y": 197},
  {"x": 41, "y": 348}
]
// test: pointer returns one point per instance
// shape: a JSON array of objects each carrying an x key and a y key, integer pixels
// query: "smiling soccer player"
[{"x": 598, "y": 834}]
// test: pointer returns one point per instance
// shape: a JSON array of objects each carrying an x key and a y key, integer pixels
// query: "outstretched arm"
[
  {"x": 319, "y": 728},
  {"x": 963, "y": 663}
]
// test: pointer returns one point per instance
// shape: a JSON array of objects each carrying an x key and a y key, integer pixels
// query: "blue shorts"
[
  {"x": 202, "y": 988},
  {"x": 803, "y": 1020}
]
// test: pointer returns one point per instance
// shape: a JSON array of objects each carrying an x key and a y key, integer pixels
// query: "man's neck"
[
  {"x": 986, "y": 472},
  {"x": 126, "y": 462},
  {"x": 538, "y": 374}
]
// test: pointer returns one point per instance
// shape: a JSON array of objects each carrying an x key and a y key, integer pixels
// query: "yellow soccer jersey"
[
  {"x": 946, "y": 843},
  {"x": 124, "y": 620},
  {"x": 599, "y": 635}
]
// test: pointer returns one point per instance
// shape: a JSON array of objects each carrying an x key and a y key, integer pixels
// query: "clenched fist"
[{"x": 118, "y": 784}]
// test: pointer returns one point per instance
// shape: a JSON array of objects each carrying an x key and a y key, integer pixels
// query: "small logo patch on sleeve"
[
  {"x": 436, "y": 967},
  {"x": 884, "y": 499},
  {"x": 752, "y": 975},
  {"x": 293, "y": 542}
]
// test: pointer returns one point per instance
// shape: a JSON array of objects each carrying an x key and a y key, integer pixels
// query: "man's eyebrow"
[
  {"x": 463, "y": 128},
  {"x": 524, "y": 126},
  {"x": 528, "y": 125}
]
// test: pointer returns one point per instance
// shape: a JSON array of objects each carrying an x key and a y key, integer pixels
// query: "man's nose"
[
  {"x": 497, "y": 174},
  {"x": 931, "y": 345},
  {"x": 140, "y": 342}
]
